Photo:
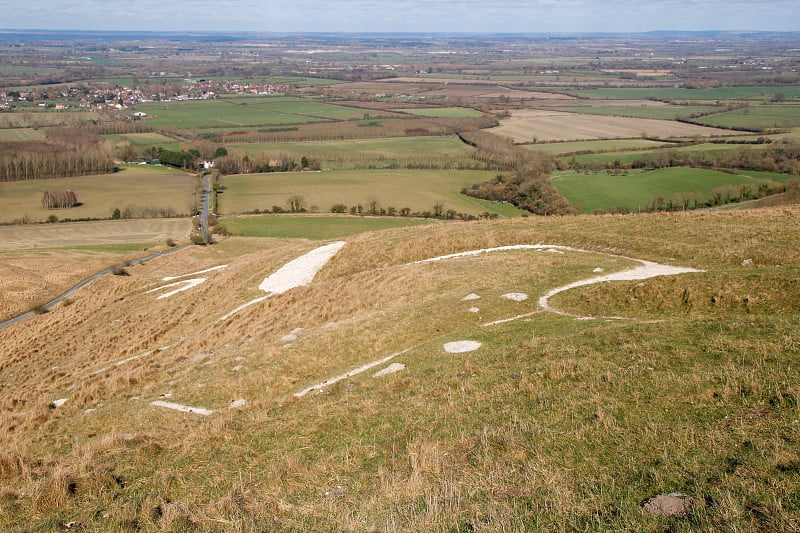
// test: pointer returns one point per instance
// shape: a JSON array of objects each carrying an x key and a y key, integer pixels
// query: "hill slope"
[{"x": 551, "y": 423}]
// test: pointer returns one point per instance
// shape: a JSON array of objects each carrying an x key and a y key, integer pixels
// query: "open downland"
[
  {"x": 314, "y": 227},
  {"x": 603, "y": 191},
  {"x": 551, "y": 424},
  {"x": 525, "y": 125},
  {"x": 138, "y": 188},
  {"x": 418, "y": 190},
  {"x": 40, "y": 262}
]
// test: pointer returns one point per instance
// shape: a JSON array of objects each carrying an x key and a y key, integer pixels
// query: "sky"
[{"x": 487, "y": 16}]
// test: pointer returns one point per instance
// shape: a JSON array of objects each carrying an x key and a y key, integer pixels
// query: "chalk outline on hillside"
[
  {"x": 296, "y": 273},
  {"x": 647, "y": 270}
]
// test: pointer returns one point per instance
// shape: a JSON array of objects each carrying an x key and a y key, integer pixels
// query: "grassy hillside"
[{"x": 552, "y": 423}]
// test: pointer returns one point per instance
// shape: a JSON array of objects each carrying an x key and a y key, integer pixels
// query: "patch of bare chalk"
[
  {"x": 184, "y": 285},
  {"x": 212, "y": 269},
  {"x": 296, "y": 273},
  {"x": 330, "y": 381},
  {"x": 462, "y": 346},
  {"x": 646, "y": 271},
  {"x": 182, "y": 408}
]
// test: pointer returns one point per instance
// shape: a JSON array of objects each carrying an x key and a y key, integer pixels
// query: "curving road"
[{"x": 203, "y": 228}]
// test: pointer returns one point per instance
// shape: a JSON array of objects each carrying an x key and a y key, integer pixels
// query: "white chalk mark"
[
  {"x": 391, "y": 369},
  {"x": 462, "y": 346},
  {"x": 646, "y": 271},
  {"x": 300, "y": 271},
  {"x": 184, "y": 285},
  {"x": 359, "y": 370},
  {"x": 212, "y": 269},
  {"x": 473, "y": 310},
  {"x": 470, "y": 297},
  {"x": 296, "y": 273},
  {"x": 511, "y": 319},
  {"x": 58, "y": 403},
  {"x": 182, "y": 408},
  {"x": 243, "y": 306},
  {"x": 238, "y": 404},
  {"x": 515, "y": 296}
]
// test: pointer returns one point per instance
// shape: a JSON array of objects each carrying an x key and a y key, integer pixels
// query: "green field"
[
  {"x": 209, "y": 113},
  {"x": 450, "y": 112},
  {"x": 134, "y": 187},
  {"x": 711, "y": 150},
  {"x": 21, "y": 134},
  {"x": 643, "y": 111},
  {"x": 339, "y": 153},
  {"x": 146, "y": 139},
  {"x": 601, "y": 191},
  {"x": 594, "y": 146},
  {"x": 720, "y": 93},
  {"x": 756, "y": 116},
  {"x": 314, "y": 227},
  {"x": 419, "y": 190},
  {"x": 34, "y": 119}
]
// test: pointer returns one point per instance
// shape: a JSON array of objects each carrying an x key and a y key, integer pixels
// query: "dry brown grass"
[{"x": 554, "y": 424}]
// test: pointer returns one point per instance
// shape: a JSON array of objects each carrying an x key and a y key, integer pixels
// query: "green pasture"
[
  {"x": 315, "y": 227},
  {"x": 378, "y": 148},
  {"x": 32, "y": 119},
  {"x": 643, "y": 111},
  {"x": 719, "y": 93},
  {"x": 571, "y": 147},
  {"x": 419, "y": 190},
  {"x": 602, "y": 191},
  {"x": 21, "y": 134},
  {"x": 146, "y": 139},
  {"x": 135, "y": 187},
  {"x": 447, "y": 112},
  {"x": 209, "y": 113},
  {"x": 710, "y": 150},
  {"x": 758, "y": 116},
  {"x": 308, "y": 106}
]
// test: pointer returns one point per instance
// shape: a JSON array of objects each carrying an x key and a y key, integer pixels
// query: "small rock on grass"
[{"x": 673, "y": 504}]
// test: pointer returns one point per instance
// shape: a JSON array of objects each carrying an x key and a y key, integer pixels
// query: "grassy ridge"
[{"x": 553, "y": 424}]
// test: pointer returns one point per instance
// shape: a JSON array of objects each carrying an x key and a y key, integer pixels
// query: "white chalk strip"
[
  {"x": 359, "y": 370},
  {"x": 182, "y": 408}
]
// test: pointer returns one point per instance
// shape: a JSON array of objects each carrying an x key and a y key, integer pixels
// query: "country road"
[{"x": 203, "y": 229}]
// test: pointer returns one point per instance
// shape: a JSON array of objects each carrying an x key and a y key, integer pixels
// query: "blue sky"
[{"x": 402, "y": 15}]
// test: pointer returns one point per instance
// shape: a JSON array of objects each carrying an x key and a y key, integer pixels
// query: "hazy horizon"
[{"x": 403, "y": 16}]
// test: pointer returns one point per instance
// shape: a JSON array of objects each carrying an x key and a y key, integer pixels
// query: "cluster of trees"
[
  {"x": 527, "y": 189},
  {"x": 236, "y": 164},
  {"x": 30, "y": 161},
  {"x": 59, "y": 200},
  {"x": 298, "y": 204}
]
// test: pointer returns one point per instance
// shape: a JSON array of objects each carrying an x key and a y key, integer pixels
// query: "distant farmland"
[
  {"x": 601, "y": 191},
  {"x": 232, "y": 112},
  {"x": 136, "y": 188},
  {"x": 418, "y": 190},
  {"x": 346, "y": 153},
  {"x": 525, "y": 125}
]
